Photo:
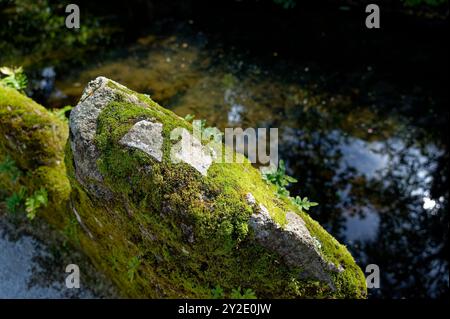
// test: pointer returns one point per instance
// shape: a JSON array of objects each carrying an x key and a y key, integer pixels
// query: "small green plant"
[
  {"x": 61, "y": 113},
  {"x": 35, "y": 201},
  {"x": 133, "y": 266},
  {"x": 8, "y": 166},
  {"x": 15, "y": 78},
  {"x": 189, "y": 118},
  {"x": 70, "y": 231},
  {"x": 14, "y": 201},
  {"x": 229, "y": 81},
  {"x": 218, "y": 293},
  {"x": 246, "y": 294},
  {"x": 303, "y": 203},
  {"x": 280, "y": 179}
]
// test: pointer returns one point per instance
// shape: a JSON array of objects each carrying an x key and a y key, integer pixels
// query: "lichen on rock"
[{"x": 176, "y": 229}]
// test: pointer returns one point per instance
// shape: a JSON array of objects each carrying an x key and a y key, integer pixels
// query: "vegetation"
[
  {"x": 280, "y": 179},
  {"x": 61, "y": 113},
  {"x": 133, "y": 266},
  {"x": 15, "y": 200},
  {"x": 35, "y": 201},
  {"x": 246, "y": 294},
  {"x": 32, "y": 171},
  {"x": 15, "y": 78},
  {"x": 8, "y": 167},
  {"x": 286, "y": 4},
  {"x": 218, "y": 293},
  {"x": 35, "y": 33},
  {"x": 433, "y": 3},
  {"x": 304, "y": 203}
]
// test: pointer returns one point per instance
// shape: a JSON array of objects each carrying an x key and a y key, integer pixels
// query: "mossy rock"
[
  {"x": 34, "y": 139},
  {"x": 177, "y": 229}
]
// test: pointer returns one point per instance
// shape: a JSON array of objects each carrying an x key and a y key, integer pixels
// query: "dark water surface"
[{"x": 362, "y": 121}]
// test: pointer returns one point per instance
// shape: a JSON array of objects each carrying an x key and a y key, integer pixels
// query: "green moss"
[
  {"x": 30, "y": 134},
  {"x": 352, "y": 281},
  {"x": 34, "y": 139}
]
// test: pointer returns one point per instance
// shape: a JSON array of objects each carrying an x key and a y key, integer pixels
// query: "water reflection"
[{"x": 378, "y": 198}]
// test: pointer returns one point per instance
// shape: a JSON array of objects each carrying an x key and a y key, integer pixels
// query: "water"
[
  {"x": 22, "y": 274},
  {"x": 29, "y": 268},
  {"x": 33, "y": 263},
  {"x": 367, "y": 147}
]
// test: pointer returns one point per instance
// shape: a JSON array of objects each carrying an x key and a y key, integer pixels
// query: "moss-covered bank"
[{"x": 32, "y": 139}]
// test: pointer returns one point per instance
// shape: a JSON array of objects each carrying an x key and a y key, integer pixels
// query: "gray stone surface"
[
  {"x": 83, "y": 127},
  {"x": 147, "y": 137},
  {"x": 144, "y": 135},
  {"x": 293, "y": 242}
]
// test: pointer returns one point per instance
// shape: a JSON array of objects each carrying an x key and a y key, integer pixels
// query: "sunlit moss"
[{"x": 34, "y": 139}]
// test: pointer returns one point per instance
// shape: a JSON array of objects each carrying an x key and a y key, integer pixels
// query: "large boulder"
[{"x": 164, "y": 222}]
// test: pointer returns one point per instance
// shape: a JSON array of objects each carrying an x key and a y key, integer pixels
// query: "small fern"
[
  {"x": 280, "y": 179},
  {"x": 8, "y": 167},
  {"x": 189, "y": 118},
  {"x": 15, "y": 78},
  {"x": 217, "y": 292},
  {"x": 303, "y": 204},
  {"x": 246, "y": 294},
  {"x": 35, "y": 201},
  {"x": 133, "y": 266},
  {"x": 14, "y": 201}
]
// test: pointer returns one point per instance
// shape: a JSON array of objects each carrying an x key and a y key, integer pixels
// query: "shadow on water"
[{"x": 365, "y": 141}]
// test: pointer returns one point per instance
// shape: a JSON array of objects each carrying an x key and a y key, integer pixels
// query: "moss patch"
[{"x": 34, "y": 139}]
